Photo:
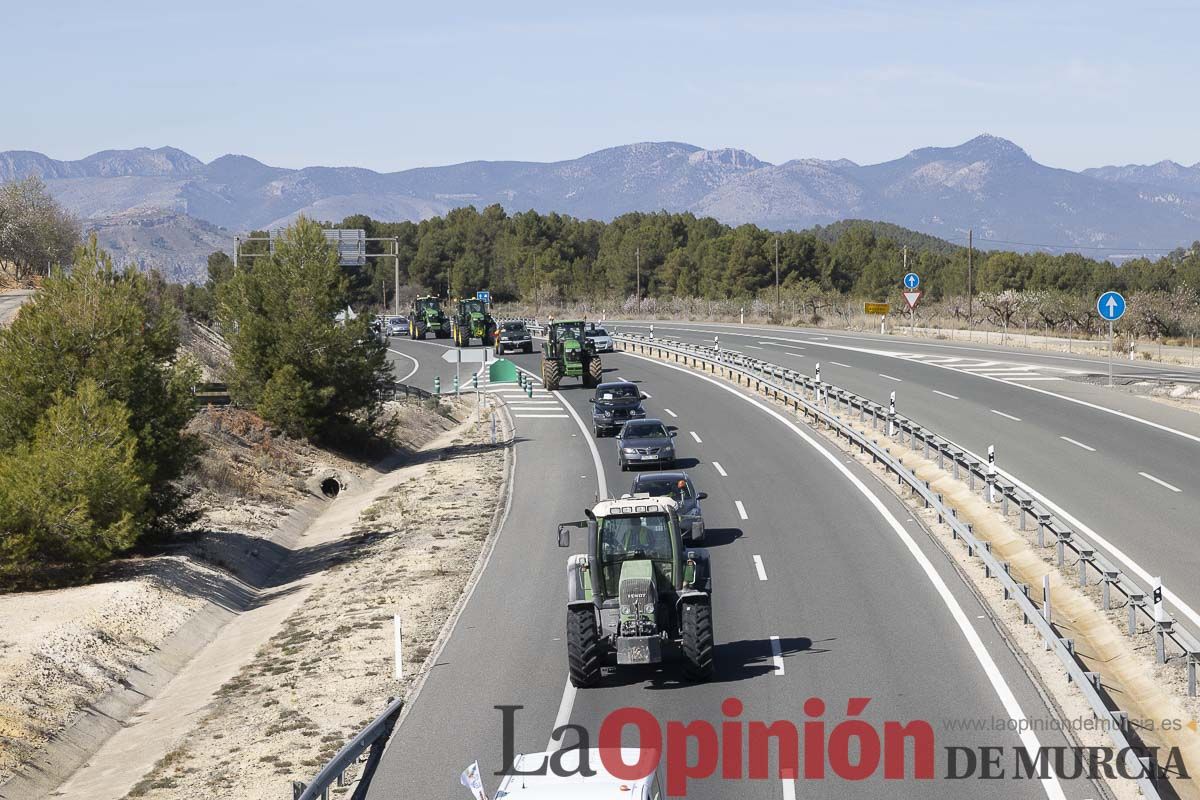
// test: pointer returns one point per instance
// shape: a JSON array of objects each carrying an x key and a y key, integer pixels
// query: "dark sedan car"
[
  {"x": 614, "y": 404},
  {"x": 679, "y": 487},
  {"x": 645, "y": 442},
  {"x": 513, "y": 336}
]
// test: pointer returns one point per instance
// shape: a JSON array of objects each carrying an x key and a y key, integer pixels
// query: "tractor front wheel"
[
  {"x": 551, "y": 374},
  {"x": 697, "y": 624},
  {"x": 583, "y": 647},
  {"x": 595, "y": 372}
]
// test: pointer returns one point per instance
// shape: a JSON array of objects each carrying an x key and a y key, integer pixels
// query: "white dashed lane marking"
[
  {"x": 1006, "y": 416},
  {"x": 720, "y": 470},
  {"x": 758, "y": 566},
  {"x": 777, "y": 654},
  {"x": 669, "y": 411},
  {"x": 1078, "y": 444},
  {"x": 696, "y": 436},
  {"x": 1159, "y": 481},
  {"x": 741, "y": 509},
  {"x": 944, "y": 394}
]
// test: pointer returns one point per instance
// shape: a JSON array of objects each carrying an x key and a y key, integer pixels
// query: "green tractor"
[
  {"x": 568, "y": 352},
  {"x": 637, "y": 591},
  {"x": 427, "y": 315},
  {"x": 472, "y": 321}
]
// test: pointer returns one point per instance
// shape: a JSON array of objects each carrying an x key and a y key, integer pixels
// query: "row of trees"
[
  {"x": 534, "y": 257},
  {"x": 35, "y": 232}
]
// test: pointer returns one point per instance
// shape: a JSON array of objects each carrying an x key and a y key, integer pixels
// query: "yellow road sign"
[{"x": 877, "y": 308}]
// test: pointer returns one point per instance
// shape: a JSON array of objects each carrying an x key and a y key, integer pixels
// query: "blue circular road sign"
[
  {"x": 912, "y": 280},
  {"x": 1111, "y": 306}
]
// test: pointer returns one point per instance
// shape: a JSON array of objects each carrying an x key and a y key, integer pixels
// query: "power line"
[{"x": 1110, "y": 248}]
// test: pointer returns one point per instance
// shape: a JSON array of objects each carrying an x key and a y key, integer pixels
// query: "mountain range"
[{"x": 167, "y": 209}]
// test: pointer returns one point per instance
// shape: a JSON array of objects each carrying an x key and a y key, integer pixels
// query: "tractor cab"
[
  {"x": 472, "y": 321},
  {"x": 638, "y": 591},
  {"x": 427, "y": 315}
]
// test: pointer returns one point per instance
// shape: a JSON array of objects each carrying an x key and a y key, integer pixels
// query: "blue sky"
[{"x": 390, "y": 85}]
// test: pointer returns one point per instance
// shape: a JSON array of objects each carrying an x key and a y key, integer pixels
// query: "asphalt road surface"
[
  {"x": 823, "y": 587},
  {"x": 1122, "y": 468},
  {"x": 11, "y": 301}
]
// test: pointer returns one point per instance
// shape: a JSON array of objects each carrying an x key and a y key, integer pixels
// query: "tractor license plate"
[{"x": 639, "y": 650}]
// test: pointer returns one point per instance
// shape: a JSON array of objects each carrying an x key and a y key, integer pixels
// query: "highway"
[
  {"x": 11, "y": 301},
  {"x": 824, "y": 587},
  {"x": 1122, "y": 468}
]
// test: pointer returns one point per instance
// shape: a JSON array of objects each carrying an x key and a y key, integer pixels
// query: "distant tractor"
[
  {"x": 472, "y": 321},
  {"x": 427, "y": 315},
  {"x": 637, "y": 591},
  {"x": 567, "y": 352}
]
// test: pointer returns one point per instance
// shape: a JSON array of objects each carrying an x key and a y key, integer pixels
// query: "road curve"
[{"x": 816, "y": 595}]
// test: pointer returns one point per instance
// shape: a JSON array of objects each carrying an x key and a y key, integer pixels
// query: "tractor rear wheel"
[
  {"x": 697, "y": 625},
  {"x": 551, "y": 374},
  {"x": 583, "y": 647},
  {"x": 595, "y": 372}
]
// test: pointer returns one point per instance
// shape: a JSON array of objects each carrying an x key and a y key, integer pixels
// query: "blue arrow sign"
[
  {"x": 1111, "y": 306},
  {"x": 485, "y": 296},
  {"x": 912, "y": 280}
]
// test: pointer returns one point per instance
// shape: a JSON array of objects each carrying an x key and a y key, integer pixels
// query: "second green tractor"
[
  {"x": 567, "y": 352},
  {"x": 472, "y": 320}
]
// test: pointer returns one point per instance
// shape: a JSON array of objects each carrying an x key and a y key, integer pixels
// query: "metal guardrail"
[
  {"x": 374, "y": 737},
  {"x": 796, "y": 389},
  {"x": 395, "y": 389}
]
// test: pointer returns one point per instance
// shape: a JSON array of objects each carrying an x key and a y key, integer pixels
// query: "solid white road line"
[
  {"x": 568, "y": 698},
  {"x": 1007, "y": 416},
  {"x": 1159, "y": 481},
  {"x": 416, "y": 364},
  {"x": 777, "y": 654},
  {"x": 890, "y": 378},
  {"x": 758, "y": 566},
  {"x": 720, "y": 470},
  {"x": 1078, "y": 444},
  {"x": 696, "y": 436},
  {"x": 669, "y": 411},
  {"x": 944, "y": 394},
  {"x": 1012, "y": 706},
  {"x": 741, "y": 509}
]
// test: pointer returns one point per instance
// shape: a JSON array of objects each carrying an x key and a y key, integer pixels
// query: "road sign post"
[
  {"x": 912, "y": 295},
  {"x": 1110, "y": 306}
]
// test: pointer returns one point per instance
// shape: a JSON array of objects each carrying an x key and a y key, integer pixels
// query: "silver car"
[
  {"x": 645, "y": 442},
  {"x": 397, "y": 326},
  {"x": 601, "y": 340}
]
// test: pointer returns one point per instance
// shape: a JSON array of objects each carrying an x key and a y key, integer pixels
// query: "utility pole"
[
  {"x": 970, "y": 296},
  {"x": 778, "y": 306},
  {"x": 638, "y": 291},
  {"x": 396, "y": 252}
]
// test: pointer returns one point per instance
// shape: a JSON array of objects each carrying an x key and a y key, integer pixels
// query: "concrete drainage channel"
[{"x": 815, "y": 399}]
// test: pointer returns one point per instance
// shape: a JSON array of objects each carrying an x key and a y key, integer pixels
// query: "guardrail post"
[
  {"x": 1111, "y": 576},
  {"x": 1162, "y": 628},
  {"x": 970, "y": 477},
  {"x": 1064, "y": 538},
  {"x": 954, "y": 457},
  {"x": 1086, "y": 555},
  {"x": 437, "y": 384},
  {"x": 1136, "y": 601},
  {"x": 926, "y": 497},
  {"x": 953, "y": 533},
  {"x": 1043, "y": 524},
  {"x": 990, "y": 488},
  {"x": 1191, "y": 674},
  {"x": 1007, "y": 492},
  {"x": 298, "y": 788}
]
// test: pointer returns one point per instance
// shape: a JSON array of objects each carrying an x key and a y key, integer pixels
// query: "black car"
[
  {"x": 513, "y": 336},
  {"x": 679, "y": 487},
  {"x": 645, "y": 442},
  {"x": 614, "y": 404}
]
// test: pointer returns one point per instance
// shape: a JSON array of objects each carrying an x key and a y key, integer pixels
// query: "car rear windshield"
[
  {"x": 514, "y": 326},
  {"x": 622, "y": 392},
  {"x": 643, "y": 430},
  {"x": 664, "y": 487},
  {"x": 597, "y": 332}
]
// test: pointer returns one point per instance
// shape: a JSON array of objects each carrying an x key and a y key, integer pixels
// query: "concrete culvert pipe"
[{"x": 331, "y": 487}]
